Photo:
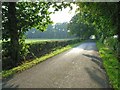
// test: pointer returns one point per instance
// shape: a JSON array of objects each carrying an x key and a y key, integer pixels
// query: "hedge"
[{"x": 37, "y": 49}]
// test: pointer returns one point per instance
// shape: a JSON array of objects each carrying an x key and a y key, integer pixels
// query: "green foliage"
[
  {"x": 35, "y": 50},
  {"x": 38, "y": 49},
  {"x": 104, "y": 17},
  {"x": 114, "y": 45},
  {"x": 29, "y": 15},
  {"x": 26, "y": 65},
  {"x": 57, "y": 31},
  {"x": 80, "y": 26},
  {"x": 111, "y": 64},
  {"x": 19, "y": 17},
  {"x": 24, "y": 49}
]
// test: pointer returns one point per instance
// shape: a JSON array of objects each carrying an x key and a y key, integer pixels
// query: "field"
[{"x": 42, "y": 40}]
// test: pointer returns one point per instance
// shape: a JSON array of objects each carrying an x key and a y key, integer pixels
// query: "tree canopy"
[
  {"x": 19, "y": 17},
  {"x": 105, "y": 17},
  {"x": 104, "y": 20},
  {"x": 81, "y": 26}
]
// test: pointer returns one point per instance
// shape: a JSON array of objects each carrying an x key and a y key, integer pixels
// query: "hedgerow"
[{"x": 35, "y": 50}]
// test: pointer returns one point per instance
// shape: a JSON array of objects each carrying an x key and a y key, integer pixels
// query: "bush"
[
  {"x": 111, "y": 65},
  {"x": 36, "y": 49},
  {"x": 114, "y": 45},
  {"x": 41, "y": 48}
]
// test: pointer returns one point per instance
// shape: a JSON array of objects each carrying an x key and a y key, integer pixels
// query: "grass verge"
[
  {"x": 111, "y": 65},
  {"x": 28, "y": 65}
]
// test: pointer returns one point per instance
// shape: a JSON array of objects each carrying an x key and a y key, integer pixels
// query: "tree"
[
  {"x": 19, "y": 17},
  {"x": 105, "y": 20},
  {"x": 105, "y": 17},
  {"x": 80, "y": 26},
  {"x": 57, "y": 31}
]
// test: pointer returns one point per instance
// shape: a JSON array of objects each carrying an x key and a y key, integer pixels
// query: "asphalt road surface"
[{"x": 80, "y": 67}]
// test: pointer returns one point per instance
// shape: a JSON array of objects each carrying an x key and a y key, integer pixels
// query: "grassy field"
[{"x": 41, "y": 40}]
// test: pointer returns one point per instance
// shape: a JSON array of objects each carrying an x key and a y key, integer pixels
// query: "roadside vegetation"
[
  {"x": 111, "y": 64},
  {"x": 35, "y": 50},
  {"x": 29, "y": 64},
  {"x": 101, "y": 20},
  {"x": 17, "y": 26},
  {"x": 21, "y": 19},
  {"x": 17, "y": 19}
]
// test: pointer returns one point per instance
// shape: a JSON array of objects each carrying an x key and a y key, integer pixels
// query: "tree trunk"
[
  {"x": 118, "y": 21},
  {"x": 118, "y": 29},
  {"x": 14, "y": 37}
]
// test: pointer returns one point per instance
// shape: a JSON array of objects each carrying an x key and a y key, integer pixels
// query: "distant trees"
[
  {"x": 57, "y": 31},
  {"x": 80, "y": 26}
]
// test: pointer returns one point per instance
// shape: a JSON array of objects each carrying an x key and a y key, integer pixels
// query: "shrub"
[
  {"x": 114, "y": 45},
  {"x": 36, "y": 49}
]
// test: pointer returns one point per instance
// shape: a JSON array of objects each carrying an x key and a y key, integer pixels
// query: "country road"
[{"x": 79, "y": 67}]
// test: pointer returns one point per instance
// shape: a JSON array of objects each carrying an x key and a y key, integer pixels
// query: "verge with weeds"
[
  {"x": 111, "y": 65},
  {"x": 27, "y": 65}
]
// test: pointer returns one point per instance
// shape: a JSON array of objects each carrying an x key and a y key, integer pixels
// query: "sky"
[{"x": 63, "y": 16}]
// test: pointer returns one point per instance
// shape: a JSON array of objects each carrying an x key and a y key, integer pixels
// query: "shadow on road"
[
  {"x": 95, "y": 59},
  {"x": 5, "y": 84},
  {"x": 96, "y": 71},
  {"x": 94, "y": 75}
]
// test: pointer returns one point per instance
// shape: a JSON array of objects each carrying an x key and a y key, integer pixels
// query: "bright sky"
[{"x": 63, "y": 16}]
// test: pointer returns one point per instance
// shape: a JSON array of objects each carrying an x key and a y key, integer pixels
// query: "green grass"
[
  {"x": 111, "y": 65},
  {"x": 27, "y": 65},
  {"x": 42, "y": 40}
]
